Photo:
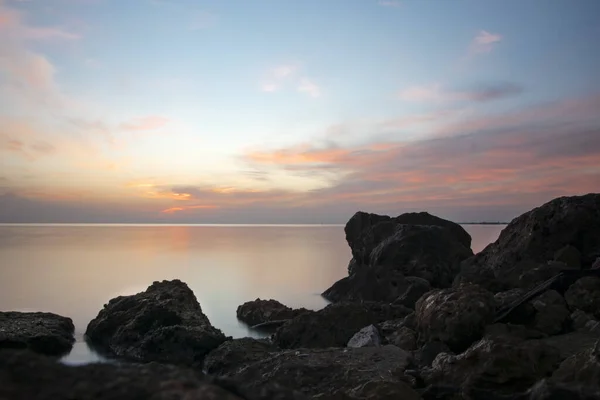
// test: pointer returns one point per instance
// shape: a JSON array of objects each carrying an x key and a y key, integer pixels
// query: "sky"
[{"x": 306, "y": 111}]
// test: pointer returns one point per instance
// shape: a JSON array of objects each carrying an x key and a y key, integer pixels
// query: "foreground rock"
[
  {"x": 565, "y": 228},
  {"x": 24, "y": 375},
  {"x": 165, "y": 324},
  {"x": 262, "y": 311},
  {"x": 455, "y": 316},
  {"x": 43, "y": 333},
  {"x": 584, "y": 295},
  {"x": 334, "y": 325},
  {"x": 582, "y": 368},
  {"x": 334, "y": 373}
]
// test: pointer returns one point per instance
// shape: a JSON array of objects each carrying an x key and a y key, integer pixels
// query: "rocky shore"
[{"x": 419, "y": 316}]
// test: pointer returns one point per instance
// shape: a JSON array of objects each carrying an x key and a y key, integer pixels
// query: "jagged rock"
[
  {"x": 584, "y": 322},
  {"x": 429, "y": 351},
  {"x": 584, "y": 295},
  {"x": 548, "y": 390},
  {"x": 532, "y": 239},
  {"x": 335, "y": 324},
  {"x": 261, "y": 311},
  {"x": 504, "y": 299},
  {"x": 523, "y": 314},
  {"x": 324, "y": 373},
  {"x": 366, "y": 337},
  {"x": 552, "y": 316},
  {"x": 503, "y": 366},
  {"x": 455, "y": 316},
  {"x": 236, "y": 352},
  {"x": 581, "y": 368},
  {"x": 569, "y": 255},
  {"x": 417, "y": 288},
  {"x": 165, "y": 324},
  {"x": 403, "y": 338},
  {"x": 43, "y": 333}
]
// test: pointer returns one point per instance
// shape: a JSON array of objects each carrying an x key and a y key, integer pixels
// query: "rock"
[
  {"x": 584, "y": 322},
  {"x": 548, "y": 390},
  {"x": 236, "y": 352},
  {"x": 384, "y": 390},
  {"x": 165, "y": 324},
  {"x": 334, "y": 325},
  {"x": 540, "y": 273},
  {"x": 417, "y": 288},
  {"x": 584, "y": 295},
  {"x": 429, "y": 351},
  {"x": 504, "y": 299},
  {"x": 570, "y": 343},
  {"x": 503, "y": 366},
  {"x": 596, "y": 264},
  {"x": 43, "y": 333},
  {"x": 455, "y": 316},
  {"x": 403, "y": 338},
  {"x": 552, "y": 316},
  {"x": 532, "y": 239},
  {"x": 522, "y": 314},
  {"x": 366, "y": 337},
  {"x": 24, "y": 375},
  {"x": 569, "y": 255},
  {"x": 510, "y": 330},
  {"x": 261, "y": 311},
  {"x": 581, "y": 368},
  {"x": 325, "y": 373}
]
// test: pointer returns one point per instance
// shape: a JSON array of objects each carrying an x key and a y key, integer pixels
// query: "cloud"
[
  {"x": 479, "y": 93},
  {"x": 309, "y": 87},
  {"x": 389, "y": 3},
  {"x": 485, "y": 41},
  {"x": 148, "y": 123},
  {"x": 12, "y": 27}
]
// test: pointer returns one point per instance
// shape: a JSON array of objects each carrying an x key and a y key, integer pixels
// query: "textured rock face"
[
  {"x": 323, "y": 373},
  {"x": 236, "y": 352},
  {"x": 582, "y": 368},
  {"x": 534, "y": 238},
  {"x": 366, "y": 337},
  {"x": 404, "y": 338},
  {"x": 261, "y": 311},
  {"x": 165, "y": 324},
  {"x": 455, "y": 316},
  {"x": 24, "y": 375},
  {"x": 43, "y": 333},
  {"x": 501, "y": 365},
  {"x": 584, "y": 295},
  {"x": 552, "y": 315},
  {"x": 417, "y": 288},
  {"x": 334, "y": 325}
]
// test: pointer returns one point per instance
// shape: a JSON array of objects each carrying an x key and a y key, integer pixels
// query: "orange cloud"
[
  {"x": 177, "y": 209},
  {"x": 150, "y": 122}
]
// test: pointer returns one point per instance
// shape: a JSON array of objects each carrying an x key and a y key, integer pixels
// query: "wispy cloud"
[
  {"x": 479, "y": 93},
  {"x": 148, "y": 123},
  {"x": 309, "y": 87},
  {"x": 484, "y": 42},
  {"x": 277, "y": 77}
]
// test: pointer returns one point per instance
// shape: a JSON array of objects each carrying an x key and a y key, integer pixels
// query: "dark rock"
[
  {"x": 569, "y": 255},
  {"x": 522, "y": 314},
  {"x": 596, "y": 264},
  {"x": 335, "y": 324},
  {"x": 366, "y": 337},
  {"x": 504, "y": 299},
  {"x": 429, "y": 351},
  {"x": 403, "y": 338},
  {"x": 584, "y": 295},
  {"x": 584, "y": 322},
  {"x": 548, "y": 390},
  {"x": 503, "y": 366},
  {"x": 570, "y": 343},
  {"x": 24, "y": 375},
  {"x": 325, "y": 373},
  {"x": 552, "y": 316},
  {"x": 417, "y": 288},
  {"x": 236, "y": 352},
  {"x": 510, "y": 330},
  {"x": 455, "y": 316},
  {"x": 533, "y": 238},
  {"x": 386, "y": 328},
  {"x": 540, "y": 273},
  {"x": 43, "y": 333},
  {"x": 165, "y": 324},
  {"x": 384, "y": 390},
  {"x": 581, "y": 368},
  {"x": 261, "y": 311}
]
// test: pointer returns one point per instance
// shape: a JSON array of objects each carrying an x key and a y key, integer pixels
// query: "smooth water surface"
[{"x": 73, "y": 270}]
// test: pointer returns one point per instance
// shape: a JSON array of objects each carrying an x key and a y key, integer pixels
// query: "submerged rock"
[
  {"x": 455, "y": 316},
  {"x": 261, "y": 311},
  {"x": 165, "y": 324},
  {"x": 536, "y": 237},
  {"x": 334, "y": 325},
  {"x": 43, "y": 333},
  {"x": 24, "y": 375}
]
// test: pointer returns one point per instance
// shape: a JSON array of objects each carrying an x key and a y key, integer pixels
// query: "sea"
[{"x": 74, "y": 269}]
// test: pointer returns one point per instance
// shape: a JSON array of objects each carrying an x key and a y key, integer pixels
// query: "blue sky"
[{"x": 215, "y": 111}]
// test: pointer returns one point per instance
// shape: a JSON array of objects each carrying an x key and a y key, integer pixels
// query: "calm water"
[{"x": 73, "y": 270}]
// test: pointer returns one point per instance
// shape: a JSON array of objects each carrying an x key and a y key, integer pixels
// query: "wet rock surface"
[
  {"x": 334, "y": 325},
  {"x": 165, "y": 323},
  {"x": 43, "y": 333},
  {"x": 261, "y": 311},
  {"x": 24, "y": 375}
]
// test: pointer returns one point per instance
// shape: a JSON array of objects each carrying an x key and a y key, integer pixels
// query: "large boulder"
[
  {"x": 43, "y": 333},
  {"x": 455, "y": 316},
  {"x": 552, "y": 315},
  {"x": 581, "y": 368},
  {"x": 500, "y": 365},
  {"x": 236, "y": 352},
  {"x": 334, "y": 325},
  {"x": 24, "y": 375},
  {"x": 536, "y": 237},
  {"x": 584, "y": 295},
  {"x": 165, "y": 324},
  {"x": 261, "y": 311}
]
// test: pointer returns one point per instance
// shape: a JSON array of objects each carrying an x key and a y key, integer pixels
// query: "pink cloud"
[
  {"x": 485, "y": 41},
  {"x": 437, "y": 93},
  {"x": 145, "y": 123}
]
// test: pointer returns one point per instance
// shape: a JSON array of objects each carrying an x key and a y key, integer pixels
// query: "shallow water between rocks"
[{"x": 73, "y": 270}]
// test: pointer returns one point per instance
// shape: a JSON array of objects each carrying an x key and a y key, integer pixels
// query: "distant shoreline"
[{"x": 193, "y": 224}]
